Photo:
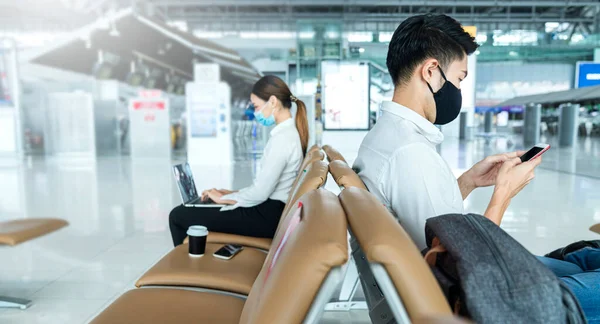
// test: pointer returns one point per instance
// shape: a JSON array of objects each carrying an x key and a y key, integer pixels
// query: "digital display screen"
[
  {"x": 346, "y": 95},
  {"x": 531, "y": 153}
]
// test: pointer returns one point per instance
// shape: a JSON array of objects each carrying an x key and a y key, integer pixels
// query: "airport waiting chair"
[
  {"x": 293, "y": 286},
  {"x": 333, "y": 154},
  {"x": 402, "y": 274},
  {"x": 595, "y": 228},
  {"x": 313, "y": 155},
  {"x": 313, "y": 148},
  {"x": 344, "y": 176},
  {"x": 236, "y": 275},
  {"x": 379, "y": 310},
  {"x": 22, "y": 230}
]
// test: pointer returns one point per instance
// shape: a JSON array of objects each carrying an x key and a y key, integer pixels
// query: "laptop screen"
[{"x": 185, "y": 182}]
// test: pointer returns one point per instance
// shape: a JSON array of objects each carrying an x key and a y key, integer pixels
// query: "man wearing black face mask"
[{"x": 398, "y": 161}]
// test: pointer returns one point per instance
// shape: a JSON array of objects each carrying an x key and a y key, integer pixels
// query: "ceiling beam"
[
  {"x": 347, "y": 17},
  {"x": 371, "y": 3}
]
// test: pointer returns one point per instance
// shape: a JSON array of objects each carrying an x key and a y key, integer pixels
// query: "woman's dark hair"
[{"x": 270, "y": 85}]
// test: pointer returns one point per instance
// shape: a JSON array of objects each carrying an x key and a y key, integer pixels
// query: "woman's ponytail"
[{"x": 302, "y": 124}]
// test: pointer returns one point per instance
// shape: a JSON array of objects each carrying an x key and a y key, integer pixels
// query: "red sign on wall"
[{"x": 151, "y": 105}]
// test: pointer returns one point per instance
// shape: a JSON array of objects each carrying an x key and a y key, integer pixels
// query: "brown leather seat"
[
  {"x": 314, "y": 154},
  {"x": 289, "y": 288},
  {"x": 595, "y": 228},
  {"x": 385, "y": 242},
  {"x": 21, "y": 230},
  {"x": 249, "y": 241},
  {"x": 169, "y": 305},
  {"x": 177, "y": 268},
  {"x": 333, "y": 154},
  {"x": 344, "y": 176}
]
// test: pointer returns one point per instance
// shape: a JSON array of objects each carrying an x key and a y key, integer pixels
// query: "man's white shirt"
[{"x": 399, "y": 164}]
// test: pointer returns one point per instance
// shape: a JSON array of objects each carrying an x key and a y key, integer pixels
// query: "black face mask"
[{"x": 448, "y": 101}]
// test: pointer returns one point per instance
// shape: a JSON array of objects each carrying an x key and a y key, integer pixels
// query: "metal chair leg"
[{"x": 11, "y": 302}]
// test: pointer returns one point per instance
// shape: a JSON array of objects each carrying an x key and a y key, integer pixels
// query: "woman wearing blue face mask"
[{"x": 255, "y": 210}]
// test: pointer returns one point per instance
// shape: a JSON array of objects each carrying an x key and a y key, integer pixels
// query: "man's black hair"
[{"x": 426, "y": 36}]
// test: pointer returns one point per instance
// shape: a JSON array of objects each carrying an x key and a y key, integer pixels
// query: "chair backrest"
[
  {"x": 296, "y": 282},
  {"x": 312, "y": 156},
  {"x": 333, "y": 154},
  {"x": 311, "y": 178},
  {"x": 401, "y": 272},
  {"x": 595, "y": 228},
  {"x": 344, "y": 176},
  {"x": 313, "y": 148}
]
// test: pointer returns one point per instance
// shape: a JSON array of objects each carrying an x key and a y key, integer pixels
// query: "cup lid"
[{"x": 197, "y": 230}]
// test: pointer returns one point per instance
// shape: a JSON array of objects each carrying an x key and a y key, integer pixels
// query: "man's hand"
[
  {"x": 513, "y": 176},
  {"x": 516, "y": 175},
  {"x": 485, "y": 172}
]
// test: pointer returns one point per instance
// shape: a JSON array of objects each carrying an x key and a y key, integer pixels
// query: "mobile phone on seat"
[{"x": 228, "y": 251}]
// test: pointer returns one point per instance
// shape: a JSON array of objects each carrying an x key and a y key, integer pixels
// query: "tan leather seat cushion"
[
  {"x": 318, "y": 243},
  {"x": 344, "y": 176},
  {"x": 171, "y": 306},
  {"x": 255, "y": 242},
  {"x": 177, "y": 268},
  {"x": 385, "y": 242},
  {"x": 333, "y": 154},
  {"x": 595, "y": 228},
  {"x": 249, "y": 241},
  {"x": 21, "y": 230}
]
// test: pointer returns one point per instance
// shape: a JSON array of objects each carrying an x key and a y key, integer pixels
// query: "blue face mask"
[{"x": 265, "y": 121}]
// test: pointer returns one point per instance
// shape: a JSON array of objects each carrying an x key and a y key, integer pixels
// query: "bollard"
[
  {"x": 568, "y": 123},
  {"x": 531, "y": 127},
  {"x": 488, "y": 121}
]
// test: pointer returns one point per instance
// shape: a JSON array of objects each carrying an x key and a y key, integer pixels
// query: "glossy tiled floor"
[{"x": 118, "y": 211}]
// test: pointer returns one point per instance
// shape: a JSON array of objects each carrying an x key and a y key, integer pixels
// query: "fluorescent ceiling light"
[
  {"x": 267, "y": 35},
  {"x": 481, "y": 38},
  {"x": 360, "y": 37},
  {"x": 385, "y": 37},
  {"x": 208, "y": 34},
  {"x": 251, "y": 35},
  {"x": 332, "y": 34},
  {"x": 306, "y": 34},
  {"x": 179, "y": 24}
]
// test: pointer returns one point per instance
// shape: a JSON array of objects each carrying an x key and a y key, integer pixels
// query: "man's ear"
[{"x": 427, "y": 69}]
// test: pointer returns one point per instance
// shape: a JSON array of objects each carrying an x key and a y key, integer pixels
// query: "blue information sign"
[{"x": 588, "y": 74}]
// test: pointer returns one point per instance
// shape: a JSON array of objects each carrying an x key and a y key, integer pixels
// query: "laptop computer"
[{"x": 187, "y": 187}]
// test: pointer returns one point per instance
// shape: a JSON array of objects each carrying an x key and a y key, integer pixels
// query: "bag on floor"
[{"x": 489, "y": 277}]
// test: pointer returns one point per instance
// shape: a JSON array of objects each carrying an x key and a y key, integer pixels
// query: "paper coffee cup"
[{"x": 197, "y": 241}]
